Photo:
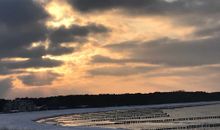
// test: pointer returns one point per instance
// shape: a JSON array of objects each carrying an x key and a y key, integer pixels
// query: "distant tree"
[
  {"x": 2, "y": 104},
  {"x": 107, "y": 100}
]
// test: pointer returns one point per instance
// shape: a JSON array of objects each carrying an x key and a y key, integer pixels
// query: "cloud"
[
  {"x": 148, "y": 6},
  {"x": 86, "y": 5},
  {"x": 170, "y": 52},
  {"x": 21, "y": 24},
  {"x": 107, "y": 60},
  {"x": 57, "y": 50},
  {"x": 6, "y": 71},
  {"x": 99, "y": 59},
  {"x": 24, "y": 22},
  {"x": 20, "y": 13},
  {"x": 192, "y": 72},
  {"x": 39, "y": 51},
  {"x": 5, "y": 86},
  {"x": 73, "y": 33},
  {"x": 191, "y": 12},
  {"x": 210, "y": 30},
  {"x": 15, "y": 67},
  {"x": 13, "y": 39},
  {"x": 39, "y": 78},
  {"x": 31, "y": 63},
  {"x": 120, "y": 71}
]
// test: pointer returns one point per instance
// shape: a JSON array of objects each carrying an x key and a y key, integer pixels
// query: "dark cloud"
[
  {"x": 193, "y": 72},
  {"x": 12, "y": 40},
  {"x": 107, "y": 60},
  {"x": 86, "y": 5},
  {"x": 24, "y": 52},
  {"x": 39, "y": 78},
  {"x": 6, "y": 71},
  {"x": 36, "y": 63},
  {"x": 201, "y": 13},
  {"x": 212, "y": 30},
  {"x": 186, "y": 12},
  {"x": 170, "y": 52},
  {"x": 5, "y": 86},
  {"x": 149, "y": 6},
  {"x": 38, "y": 52},
  {"x": 8, "y": 67},
  {"x": 21, "y": 24},
  {"x": 75, "y": 32},
  {"x": 121, "y": 71},
  {"x": 20, "y": 13},
  {"x": 59, "y": 50}
]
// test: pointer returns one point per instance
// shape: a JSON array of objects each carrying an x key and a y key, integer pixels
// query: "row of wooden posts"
[
  {"x": 189, "y": 127},
  {"x": 156, "y": 121}
]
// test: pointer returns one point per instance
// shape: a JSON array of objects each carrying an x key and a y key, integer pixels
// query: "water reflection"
[{"x": 138, "y": 119}]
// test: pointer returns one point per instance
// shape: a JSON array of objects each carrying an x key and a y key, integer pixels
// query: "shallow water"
[{"x": 200, "y": 117}]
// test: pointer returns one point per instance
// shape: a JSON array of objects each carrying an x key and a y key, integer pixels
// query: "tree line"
[{"x": 109, "y": 100}]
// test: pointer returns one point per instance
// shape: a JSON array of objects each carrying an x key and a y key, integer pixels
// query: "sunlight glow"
[{"x": 61, "y": 14}]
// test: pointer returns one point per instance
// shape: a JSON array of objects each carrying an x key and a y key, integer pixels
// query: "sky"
[{"x": 65, "y": 47}]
